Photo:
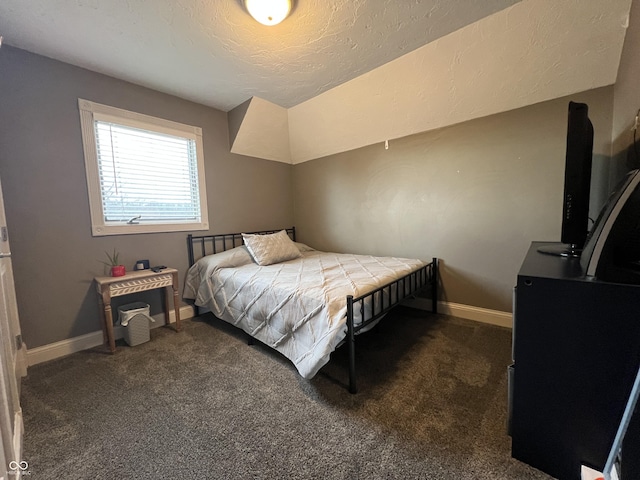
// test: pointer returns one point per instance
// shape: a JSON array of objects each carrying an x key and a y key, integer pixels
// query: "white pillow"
[
  {"x": 272, "y": 248},
  {"x": 304, "y": 248}
]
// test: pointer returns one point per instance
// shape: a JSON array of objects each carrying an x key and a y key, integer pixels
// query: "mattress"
[{"x": 297, "y": 307}]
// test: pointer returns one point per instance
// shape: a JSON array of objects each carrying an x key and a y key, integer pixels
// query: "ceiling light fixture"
[{"x": 268, "y": 12}]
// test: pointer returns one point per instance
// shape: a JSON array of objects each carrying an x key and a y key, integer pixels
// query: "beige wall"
[
  {"x": 627, "y": 95},
  {"x": 42, "y": 169},
  {"x": 474, "y": 194}
]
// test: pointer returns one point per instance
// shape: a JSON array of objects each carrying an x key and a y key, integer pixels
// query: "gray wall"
[
  {"x": 42, "y": 169},
  {"x": 474, "y": 194}
]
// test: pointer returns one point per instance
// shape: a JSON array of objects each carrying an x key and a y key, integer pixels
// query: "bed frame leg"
[
  {"x": 351, "y": 340},
  {"x": 434, "y": 286}
]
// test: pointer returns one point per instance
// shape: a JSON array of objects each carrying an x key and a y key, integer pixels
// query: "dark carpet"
[{"x": 202, "y": 404}]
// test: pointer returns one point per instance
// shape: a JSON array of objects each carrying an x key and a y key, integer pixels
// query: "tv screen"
[
  {"x": 577, "y": 182},
  {"x": 612, "y": 249}
]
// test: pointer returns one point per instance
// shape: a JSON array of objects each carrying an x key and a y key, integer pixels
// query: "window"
[{"x": 144, "y": 174}]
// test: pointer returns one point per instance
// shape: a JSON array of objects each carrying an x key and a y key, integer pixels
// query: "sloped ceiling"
[
  {"x": 534, "y": 51},
  {"x": 347, "y": 72},
  {"x": 214, "y": 53}
]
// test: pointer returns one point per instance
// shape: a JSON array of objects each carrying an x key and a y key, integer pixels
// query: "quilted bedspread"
[{"x": 297, "y": 307}]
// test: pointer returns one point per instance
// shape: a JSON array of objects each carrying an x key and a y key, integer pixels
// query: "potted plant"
[{"x": 116, "y": 269}]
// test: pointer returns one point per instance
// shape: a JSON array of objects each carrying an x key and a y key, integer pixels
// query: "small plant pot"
[{"x": 118, "y": 271}]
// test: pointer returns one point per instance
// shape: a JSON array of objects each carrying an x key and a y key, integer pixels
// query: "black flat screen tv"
[{"x": 577, "y": 183}]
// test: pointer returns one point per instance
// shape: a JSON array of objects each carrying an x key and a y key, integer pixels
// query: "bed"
[{"x": 302, "y": 302}]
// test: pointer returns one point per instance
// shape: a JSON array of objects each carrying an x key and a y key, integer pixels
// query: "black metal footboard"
[{"x": 371, "y": 306}]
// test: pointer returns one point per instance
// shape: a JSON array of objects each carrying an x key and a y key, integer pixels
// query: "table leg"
[
  {"x": 167, "y": 318},
  {"x": 109, "y": 326},
  {"x": 103, "y": 320},
  {"x": 104, "y": 299},
  {"x": 108, "y": 320},
  {"x": 176, "y": 307}
]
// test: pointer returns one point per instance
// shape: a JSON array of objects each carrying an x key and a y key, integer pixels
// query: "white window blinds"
[{"x": 146, "y": 176}]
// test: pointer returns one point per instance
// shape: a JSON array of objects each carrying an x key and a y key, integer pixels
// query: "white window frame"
[{"x": 89, "y": 112}]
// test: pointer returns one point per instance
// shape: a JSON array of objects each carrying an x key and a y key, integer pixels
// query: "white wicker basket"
[{"x": 135, "y": 320}]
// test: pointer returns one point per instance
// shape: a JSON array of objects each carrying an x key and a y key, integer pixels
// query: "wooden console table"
[{"x": 133, "y": 282}]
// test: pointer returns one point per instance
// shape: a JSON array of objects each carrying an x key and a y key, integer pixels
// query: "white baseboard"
[
  {"x": 94, "y": 339},
  {"x": 483, "y": 315},
  {"x": 90, "y": 340}
]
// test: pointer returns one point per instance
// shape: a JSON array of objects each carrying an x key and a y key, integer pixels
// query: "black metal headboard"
[{"x": 210, "y": 244}]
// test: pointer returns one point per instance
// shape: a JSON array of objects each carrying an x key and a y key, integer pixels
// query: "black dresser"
[{"x": 576, "y": 352}]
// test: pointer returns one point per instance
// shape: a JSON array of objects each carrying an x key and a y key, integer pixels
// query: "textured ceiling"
[{"x": 212, "y": 52}]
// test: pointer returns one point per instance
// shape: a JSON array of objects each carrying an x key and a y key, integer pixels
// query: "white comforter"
[{"x": 297, "y": 307}]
